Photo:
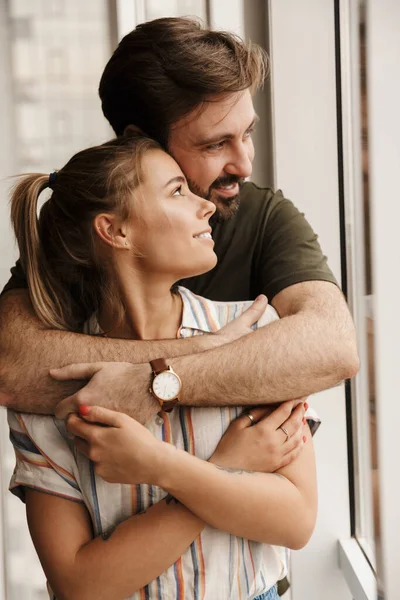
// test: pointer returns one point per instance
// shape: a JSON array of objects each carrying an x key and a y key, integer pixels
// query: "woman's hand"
[
  {"x": 262, "y": 445},
  {"x": 123, "y": 450}
]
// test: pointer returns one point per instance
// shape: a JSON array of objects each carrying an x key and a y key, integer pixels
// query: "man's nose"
[{"x": 240, "y": 163}]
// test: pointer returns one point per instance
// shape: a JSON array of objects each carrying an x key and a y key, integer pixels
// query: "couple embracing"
[{"x": 185, "y": 465}]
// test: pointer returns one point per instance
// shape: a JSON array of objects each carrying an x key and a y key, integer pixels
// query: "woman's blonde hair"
[{"x": 66, "y": 280}]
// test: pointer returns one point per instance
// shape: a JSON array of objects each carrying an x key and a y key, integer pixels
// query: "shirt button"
[{"x": 159, "y": 421}]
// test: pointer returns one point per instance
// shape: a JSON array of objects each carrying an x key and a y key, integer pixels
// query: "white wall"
[{"x": 304, "y": 104}]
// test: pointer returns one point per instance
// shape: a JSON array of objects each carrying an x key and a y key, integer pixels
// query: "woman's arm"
[
  {"x": 263, "y": 507},
  {"x": 106, "y": 568},
  {"x": 257, "y": 506},
  {"x": 154, "y": 539}
]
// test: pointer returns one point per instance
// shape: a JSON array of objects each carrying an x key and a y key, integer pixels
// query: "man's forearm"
[
  {"x": 298, "y": 355},
  {"x": 28, "y": 352}
]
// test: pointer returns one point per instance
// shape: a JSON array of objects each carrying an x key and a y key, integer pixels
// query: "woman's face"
[{"x": 169, "y": 228}]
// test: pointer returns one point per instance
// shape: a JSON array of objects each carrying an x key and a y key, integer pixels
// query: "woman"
[{"x": 179, "y": 520}]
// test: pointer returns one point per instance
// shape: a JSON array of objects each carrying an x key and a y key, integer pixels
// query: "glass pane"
[
  {"x": 360, "y": 282},
  {"x": 58, "y": 50},
  {"x": 176, "y": 8}
]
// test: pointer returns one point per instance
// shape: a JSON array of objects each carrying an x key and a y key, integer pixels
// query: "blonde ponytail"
[
  {"x": 41, "y": 281},
  {"x": 68, "y": 275}
]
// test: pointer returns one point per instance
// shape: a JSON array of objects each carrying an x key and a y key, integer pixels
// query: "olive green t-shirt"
[{"x": 267, "y": 246}]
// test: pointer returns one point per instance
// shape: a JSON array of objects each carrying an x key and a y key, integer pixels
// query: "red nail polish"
[
  {"x": 304, "y": 439},
  {"x": 306, "y": 405},
  {"x": 304, "y": 420},
  {"x": 83, "y": 410}
]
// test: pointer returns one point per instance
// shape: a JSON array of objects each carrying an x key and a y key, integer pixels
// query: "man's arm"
[
  {"x": 28, "y": 351},
  {"x": 311, "y": 348}
]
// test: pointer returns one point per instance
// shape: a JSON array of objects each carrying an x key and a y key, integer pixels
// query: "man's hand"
[
  {"x": 243, "y": 324},
  {"x": 118, "y": 386},
  {"x": 263, "y": 447}
]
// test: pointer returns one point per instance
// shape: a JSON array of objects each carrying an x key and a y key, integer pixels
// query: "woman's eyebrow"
[
  {"x": 177, "y": 179},
  {"x": 224, "y": 136}
]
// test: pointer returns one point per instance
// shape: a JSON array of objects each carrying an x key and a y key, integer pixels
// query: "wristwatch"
[{"x": 165, "y": 385}]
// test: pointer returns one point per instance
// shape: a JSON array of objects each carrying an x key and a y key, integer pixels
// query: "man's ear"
[{"x": 110, "y": 230}]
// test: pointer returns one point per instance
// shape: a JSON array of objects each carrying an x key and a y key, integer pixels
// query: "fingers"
[
  {"x": 295, "y": 440},
  {"x": 101, "y": 415},
  {"x": 77, "y": 427},
  {"x": 253, "y": 416},
  {"x": 91, "y": 416},
  {"x": 255, "y": 311},
  {"x": 66, "y": 407},
  {"x": 292, "y": 455},
  {"x": 295, "y": 421},
  {"x": 75, "y": 371},
  {"x": 280, "y": 414}
]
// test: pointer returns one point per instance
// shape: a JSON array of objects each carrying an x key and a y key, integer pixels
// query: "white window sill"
[{"x": 357, "y": 571}]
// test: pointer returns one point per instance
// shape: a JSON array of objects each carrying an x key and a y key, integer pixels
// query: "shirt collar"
[{"x": 198, "y": 313}]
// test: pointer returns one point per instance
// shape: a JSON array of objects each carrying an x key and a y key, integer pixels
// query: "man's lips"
[{"x": 227, "y": 191}]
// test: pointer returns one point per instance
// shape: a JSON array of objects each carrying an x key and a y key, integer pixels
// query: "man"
[{"x": 191, "y": 89}]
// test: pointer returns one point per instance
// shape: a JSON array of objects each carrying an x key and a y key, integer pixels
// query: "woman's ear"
[{"x": 110, "y": 230}]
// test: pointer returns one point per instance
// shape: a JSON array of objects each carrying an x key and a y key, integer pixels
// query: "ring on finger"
[
  {"x": 252, "y": 419},
  {"x": 285, "y": 431}
]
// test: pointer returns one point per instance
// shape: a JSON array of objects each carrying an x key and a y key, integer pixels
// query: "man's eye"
[
  {"x": 217, "y": 146},
  {"x": 178, "y": 191},
  {"x": 249, "y": 132}
]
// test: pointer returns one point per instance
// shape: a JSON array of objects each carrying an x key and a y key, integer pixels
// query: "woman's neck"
[{"x": 151, "y": 311}]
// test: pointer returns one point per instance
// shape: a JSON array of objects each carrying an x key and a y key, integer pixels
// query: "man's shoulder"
[
  {"x": 257, "y": 201},
  {"x": 250, "y": 191}
]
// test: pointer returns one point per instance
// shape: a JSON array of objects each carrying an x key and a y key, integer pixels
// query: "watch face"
[{"x": 166, "y": 385}]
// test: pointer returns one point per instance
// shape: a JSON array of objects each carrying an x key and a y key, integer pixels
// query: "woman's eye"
[{"x": 178, "y": 191}]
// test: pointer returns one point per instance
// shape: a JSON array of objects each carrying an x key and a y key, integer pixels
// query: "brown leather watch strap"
[
  {"x": 158, "y": 365},
  {"x": 168, "y": 405}
]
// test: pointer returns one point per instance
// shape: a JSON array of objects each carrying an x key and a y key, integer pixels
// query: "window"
[{"x": 41, "y": 110}]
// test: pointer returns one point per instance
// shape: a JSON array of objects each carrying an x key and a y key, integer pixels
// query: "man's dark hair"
[{"x": 165, "y": 68}]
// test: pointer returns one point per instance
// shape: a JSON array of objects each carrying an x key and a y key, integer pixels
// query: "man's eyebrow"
[
  {"x": 177, "y": 179},
  {"x": 224, "y": 136}
]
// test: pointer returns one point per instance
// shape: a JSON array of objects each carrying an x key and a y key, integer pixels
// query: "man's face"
[{"x": 214, "y": 149}]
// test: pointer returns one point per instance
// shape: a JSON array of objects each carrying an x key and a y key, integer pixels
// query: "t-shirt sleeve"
[
  {"x": 17, "y": 279},
  {"x": 48, "y": 466},
  {"x": 288, "y": 250}
]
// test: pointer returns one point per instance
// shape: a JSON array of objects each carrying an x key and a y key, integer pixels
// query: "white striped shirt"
[{"x": 217, "y": 565}]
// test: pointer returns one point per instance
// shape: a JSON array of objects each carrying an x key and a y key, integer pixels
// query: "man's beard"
[{"x": 226, "y": 207}]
